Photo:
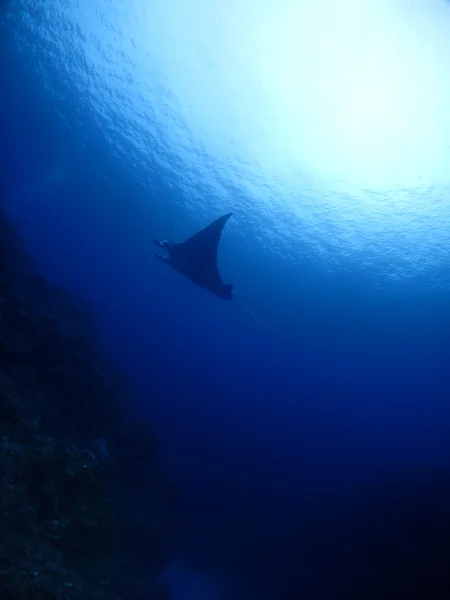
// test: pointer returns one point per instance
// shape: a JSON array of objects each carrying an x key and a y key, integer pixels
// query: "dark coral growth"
[{"x": 84, "y": 510}]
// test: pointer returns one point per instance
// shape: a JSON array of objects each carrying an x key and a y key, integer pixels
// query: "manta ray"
[{"x": 196, "y": 258}]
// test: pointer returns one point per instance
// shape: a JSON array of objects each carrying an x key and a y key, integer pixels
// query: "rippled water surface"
[{"x": 324, "y": 126}]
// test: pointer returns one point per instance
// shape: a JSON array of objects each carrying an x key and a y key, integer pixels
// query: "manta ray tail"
[{"x": 254, "y": 316}]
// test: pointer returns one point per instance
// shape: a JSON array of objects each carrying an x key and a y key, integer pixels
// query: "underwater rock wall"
[{"x": 84, "y": 510}]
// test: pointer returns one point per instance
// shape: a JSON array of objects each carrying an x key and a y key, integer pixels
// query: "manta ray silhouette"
[{"x": 196, "y": 258}]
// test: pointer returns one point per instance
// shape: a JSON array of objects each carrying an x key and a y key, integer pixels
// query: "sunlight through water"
[{"x": 325, "y": 124}]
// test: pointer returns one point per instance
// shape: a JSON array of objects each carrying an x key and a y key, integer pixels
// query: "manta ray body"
[{"x": 196, "y": 258}]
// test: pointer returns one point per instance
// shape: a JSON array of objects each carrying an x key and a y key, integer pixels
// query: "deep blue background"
[{"x": 261, "y": 428}]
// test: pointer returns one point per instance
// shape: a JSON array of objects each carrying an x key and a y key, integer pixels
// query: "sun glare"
[
  {"x": 376, "y": 90},
  {"x": 382, "y": 115}
]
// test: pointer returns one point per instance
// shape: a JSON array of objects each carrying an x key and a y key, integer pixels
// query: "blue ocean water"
[{"x": 325, "y": 130}]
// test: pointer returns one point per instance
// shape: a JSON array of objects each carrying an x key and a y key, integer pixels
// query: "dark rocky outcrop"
[{"x": 84, "y": 510}]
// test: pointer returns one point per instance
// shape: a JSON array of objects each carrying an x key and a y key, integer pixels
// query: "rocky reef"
[{"x": 84, "y": 510}]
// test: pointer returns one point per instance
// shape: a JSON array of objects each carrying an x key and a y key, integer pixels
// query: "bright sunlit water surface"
[{"x": 324, "y": 125}]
